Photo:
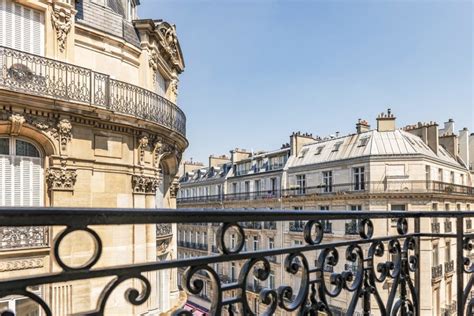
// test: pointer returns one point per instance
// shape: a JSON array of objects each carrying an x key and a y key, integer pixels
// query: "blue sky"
[{"x": 258, "y": 70}]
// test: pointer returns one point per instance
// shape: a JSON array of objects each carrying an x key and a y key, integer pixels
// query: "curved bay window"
[{"x": 21, "y": 184}]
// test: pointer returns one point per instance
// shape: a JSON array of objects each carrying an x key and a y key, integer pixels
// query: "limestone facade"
[{"x": 88, "y": 119}]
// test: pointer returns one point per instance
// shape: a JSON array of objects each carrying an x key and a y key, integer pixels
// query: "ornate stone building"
[
  {"x": 88, "y": 118},
  {"x": 420, "y": 167}
]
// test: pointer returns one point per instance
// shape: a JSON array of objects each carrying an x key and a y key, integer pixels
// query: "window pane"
[
  {"x": 4, "y": 146},
  {"x": 26, "y": 149}
]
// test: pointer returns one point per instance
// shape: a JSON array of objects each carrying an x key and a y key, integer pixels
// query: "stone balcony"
[{"x": 40, "y": 76}]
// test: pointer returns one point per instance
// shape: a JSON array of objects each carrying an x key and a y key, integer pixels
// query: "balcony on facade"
[
  {"x": 449, "y": 266},
  {"x": 436, "y": 272},
  {"x": 377, "y": 187},
  {"x": 40, "y": 76},
  {"x": 398, "y": 255}
]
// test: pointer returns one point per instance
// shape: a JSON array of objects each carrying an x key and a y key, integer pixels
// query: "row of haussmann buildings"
[{"x": 421, "y": 167}]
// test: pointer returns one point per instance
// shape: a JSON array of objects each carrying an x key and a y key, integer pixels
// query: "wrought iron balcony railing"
[
  {"x": 372, "y": 273},
  {"x": 37, "y": 75},
  {"x": 437, "y": 272},
  {"x": 435, "y": 228},
  {"x": 412, "y": 186},
  {"x": 449, "y": 266},
  {"x": 448, "y": 226}
]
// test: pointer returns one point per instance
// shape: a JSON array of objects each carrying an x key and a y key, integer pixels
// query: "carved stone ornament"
[
  {"x": 163, "y": 244},
  {"x": 63, "y": 133},
  {"x": 169, "y": 43},
  {"x": 62, "y": 20},
  {"x": 163, "y": 230},
  {"x": 174, "y": 188},
  {"x": 174, "y": 88},
  {"x": 17, "y": 121},
  {"x": 61, "y": 179},
  {"x": 153, "y": 60},
  {"x": 142, "y": 146},
  {"x": 21, "y": 264},
  {"x": 144, "y": 184},
  {"x": 23, "y": 237}
]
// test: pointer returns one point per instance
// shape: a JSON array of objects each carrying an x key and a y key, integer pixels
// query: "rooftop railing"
[
  {"x": 37, "y": 75},
  {"x": 375, "y": 270},
  {"x": 389, "y": 186}
]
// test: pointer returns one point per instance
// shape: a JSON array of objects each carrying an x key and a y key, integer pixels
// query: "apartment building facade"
[
  {"x": 382, "y": 169},
  {"x": 88, "y": 118}
]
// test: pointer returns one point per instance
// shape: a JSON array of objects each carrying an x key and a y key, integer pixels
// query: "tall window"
[
  {"x": 435, "y": 257},
  {"x": 234, "y": 188},
  {"x": 453, "y": 180},
  {"x": 271, "y": 243},
  {"x": 359, "y": 178},
  {"x": 327, "y": 181},
  {"x": 247, "y": 189},
  {"x": 160, "y": 84},
  {"x": 258, "y": 187},
  {"x": 271, "y": 280},
  {"x": 273, "y": 185},
  {"x": 327, "y": 225},
  {"x": 440, "y": 175},
  {"x": 21, "y": 173},
  {"x": 255, "y": 243},
  {"x": 232, "y": 271},
  {"x": 447, "y": 251},
  {"x": 301, "y": 183},
  {"x": 428, "y": 176},
  {"x": 21, "y": 184}
]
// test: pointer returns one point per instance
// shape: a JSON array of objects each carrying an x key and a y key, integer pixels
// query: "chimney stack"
[
  {"x": 464, "y": 146},
  {"x": 386, "y": 122},
  {"x": 297, "y": 140},
  {"x": 362, "y": 126},
  {"x": 428, "y": 132}
]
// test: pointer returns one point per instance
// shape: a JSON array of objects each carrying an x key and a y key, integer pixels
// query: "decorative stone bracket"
[
  {"x": 17, "y": 121},
  {"x": 144, "y": 184},
  {"x": 61, "y": 179}
]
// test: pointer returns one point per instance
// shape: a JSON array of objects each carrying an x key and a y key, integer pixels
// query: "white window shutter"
[
  {"x": 38, "y": 33},
  {"x": 21, "y": 27},
  {"x": 18, "y": 27},
  {"x": 17, "y": 182},
  {"x": 8, "y": 23}
]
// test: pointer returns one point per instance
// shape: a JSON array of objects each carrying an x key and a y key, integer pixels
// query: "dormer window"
[
  {"x": 319, "y": 150},
  {"x": 336, "y": 146},
  {"x": 363, "y": 141},
  {"x": 303, "y": 153}
]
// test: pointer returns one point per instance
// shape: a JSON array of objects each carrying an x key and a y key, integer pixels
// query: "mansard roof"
[{"x": 371, "y": 143}]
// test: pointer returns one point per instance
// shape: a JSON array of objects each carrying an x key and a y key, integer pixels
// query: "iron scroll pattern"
[
  {"x": 382, "y": 275},
  {"x": 317, "y": 284},
  {"x": 37, "y": 75}
]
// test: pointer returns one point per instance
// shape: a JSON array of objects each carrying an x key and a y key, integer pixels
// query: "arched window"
[{"x": 21, "y": 173}]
